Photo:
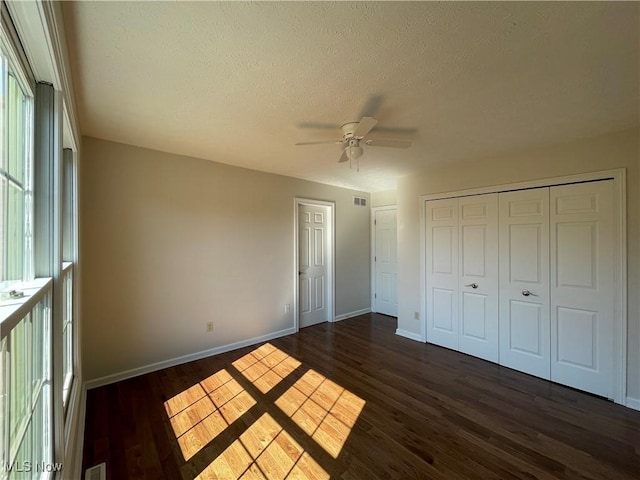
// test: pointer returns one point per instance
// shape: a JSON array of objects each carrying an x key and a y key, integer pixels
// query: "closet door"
[
  {"x": 582, "y": 300},
  {"x": 478, "y": 283},
  {"x": 524, "y": 281},
  {"x": 442, "y": 272}
]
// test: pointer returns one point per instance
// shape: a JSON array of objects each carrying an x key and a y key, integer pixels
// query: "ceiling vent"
[{"x": 360, "y": 201}]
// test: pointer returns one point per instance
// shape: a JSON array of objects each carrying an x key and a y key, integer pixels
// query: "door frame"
[
  {"x": 331, "y": 287},
  {"x": 373, "y": 249},
  {"x": 619, "y": 177}
]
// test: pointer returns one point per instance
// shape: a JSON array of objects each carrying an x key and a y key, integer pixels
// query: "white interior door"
[
  {"x": 385, "y": 262},
  {"x": 313, "y": 285},
  {"x": 582, "y": 299},
  {"x": 442, "y": 272},
  {"x": 524, "y": 281},
  {"x": 478, "y": 259}
]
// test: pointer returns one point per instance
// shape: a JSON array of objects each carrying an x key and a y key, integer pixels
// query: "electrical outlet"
[
  {"x": 209, "y": 326},
  {"x": 416, "y": 315},
  {"x": 287, "y": 308}
]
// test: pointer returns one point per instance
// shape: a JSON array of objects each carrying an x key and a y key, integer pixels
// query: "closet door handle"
[
  {"x": 526, "y": 293},
  {"x": 472, "y": 285}
]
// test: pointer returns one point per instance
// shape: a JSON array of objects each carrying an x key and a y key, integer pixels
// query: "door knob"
[
  {"x": 472, "y": 285},
  {"x": 526, "y": 293}
]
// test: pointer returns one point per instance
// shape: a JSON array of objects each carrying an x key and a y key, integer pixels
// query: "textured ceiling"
[{"x": 240, "y": 83}]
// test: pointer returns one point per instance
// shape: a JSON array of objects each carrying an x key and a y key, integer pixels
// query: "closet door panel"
[
  {"x": 478, "y": 308},
  {"x": 582, "y": 311},
  {"x": 524, "y": 281},
  {"x": 442, "y": 272}
]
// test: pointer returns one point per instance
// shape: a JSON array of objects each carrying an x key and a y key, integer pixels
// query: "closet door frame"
[{"x": 620, "y": 255}]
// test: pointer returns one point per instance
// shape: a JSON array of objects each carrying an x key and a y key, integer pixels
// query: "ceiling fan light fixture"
[
  {"x": 355, "y": 132},
  {"x": 354, "y": 152}
]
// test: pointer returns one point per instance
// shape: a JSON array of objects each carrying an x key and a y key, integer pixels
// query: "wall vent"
[
  {"x": 99, "y": 472},
  {"x": 360, "y": 201}
]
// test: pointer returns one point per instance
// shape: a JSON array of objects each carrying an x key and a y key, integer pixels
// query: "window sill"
[{"x": 13, "y": 310}]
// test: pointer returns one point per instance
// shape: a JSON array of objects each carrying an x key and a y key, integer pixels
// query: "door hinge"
[
  {"x": 375, "y": 259},
  {"x": 375, "y": 222},
  {"x": 375, "y": 295}
]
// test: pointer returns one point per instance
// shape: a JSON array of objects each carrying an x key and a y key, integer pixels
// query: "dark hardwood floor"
[{"x": 352, "y": 400}]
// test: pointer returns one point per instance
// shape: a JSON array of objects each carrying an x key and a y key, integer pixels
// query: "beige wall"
[
  {"x": 600, "y": 153},
  {"x": 381, "y": 199},
  {"x": 170, "y": 243}
]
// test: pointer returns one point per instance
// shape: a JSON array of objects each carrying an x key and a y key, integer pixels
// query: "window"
[
  {"x": 67, "y": 331},
  {"x": 25, "y": 336},
  {"x": 68, "y": 256},
  {"x": 16, "y": 122},
  {"x": 38, "y": 222},
  {"x": 25, "y": 393}
]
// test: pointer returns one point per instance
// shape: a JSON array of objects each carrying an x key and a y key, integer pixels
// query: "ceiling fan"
[{"x": 354, "y": 133}]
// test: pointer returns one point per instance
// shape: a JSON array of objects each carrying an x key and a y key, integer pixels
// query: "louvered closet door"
[
  {"x": 524, "y": 281},
  {"x": 478, "y": 281},
  {"x": 442, "y": 272},
  {"x": 582, "y": 300}
]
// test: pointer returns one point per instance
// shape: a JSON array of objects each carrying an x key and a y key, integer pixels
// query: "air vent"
[
  {"x": 360, "y": 201},
  {"x": 99, "y": 472}
]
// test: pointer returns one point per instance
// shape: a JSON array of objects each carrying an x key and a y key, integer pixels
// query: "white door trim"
[
  {"x": 331, "y": 206},
  {"x": 620, "y": 275},
  {"x": 372, "y": 229}
]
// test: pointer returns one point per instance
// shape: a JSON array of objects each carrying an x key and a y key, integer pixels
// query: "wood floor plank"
[{"x": 352, "y": 400}]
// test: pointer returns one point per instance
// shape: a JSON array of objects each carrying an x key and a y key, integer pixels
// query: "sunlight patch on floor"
[
  {"x": 323, "y": 409},
  {"x": 203, "y": 411},
  {"x": 265, "y": 451},
  {"x": 266, "y": 366}
]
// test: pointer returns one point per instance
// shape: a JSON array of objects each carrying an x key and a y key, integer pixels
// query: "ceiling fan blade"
[
  {"x": 381, "y": 142},
  {"x": 371, "y": 107},
  {"x": 365, "y": 126},
  {"x": 325, "y": 142},
  {"x": 397, "y": 131},
  {"x": 319, "y": 125},
  {"x": 344, "y": 157}
]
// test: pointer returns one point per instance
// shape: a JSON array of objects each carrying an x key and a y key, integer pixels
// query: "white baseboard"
[
  {"x": 632, "y": 403},
  {"x": 410, "y": 335},
  {"x": 134, "y": 372},
  {"x": 351, "y": 314}
]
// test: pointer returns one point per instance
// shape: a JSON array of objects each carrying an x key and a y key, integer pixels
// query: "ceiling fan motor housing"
[
  {"x": 353, "y": 133},
  {"x": 348, "y": 129}
]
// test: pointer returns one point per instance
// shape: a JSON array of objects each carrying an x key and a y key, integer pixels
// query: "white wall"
[
  {"x": 601, "y": 153},
  {"x": 382, "y": 199},
  {"x": 171, "y": 242}
]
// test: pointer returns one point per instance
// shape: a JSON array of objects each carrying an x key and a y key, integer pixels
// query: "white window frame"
[
  {"x": 18, "y": 67},
  {"x": 40, "y": 26}
]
